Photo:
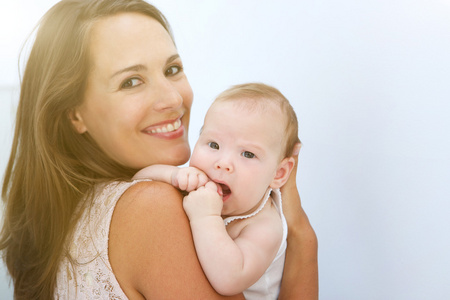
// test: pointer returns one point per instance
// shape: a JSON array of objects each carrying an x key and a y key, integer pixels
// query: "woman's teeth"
[{"x": 168, "y": 128}]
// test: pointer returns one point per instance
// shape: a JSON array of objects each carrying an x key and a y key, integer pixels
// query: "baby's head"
[
  {"x": 246, "y": 144},
  {"x": 260, "y": 97}
]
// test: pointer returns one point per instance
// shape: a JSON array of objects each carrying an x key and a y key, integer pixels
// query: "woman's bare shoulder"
[
  {"x": 138, "y": 221},
  {"x": 150, "y": 193},
  {"x": 151, "y": 248}
]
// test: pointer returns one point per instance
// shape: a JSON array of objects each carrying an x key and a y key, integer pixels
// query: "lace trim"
[
  {"x": 85, "y": 272},
  {"x": 228, "y": 220}
]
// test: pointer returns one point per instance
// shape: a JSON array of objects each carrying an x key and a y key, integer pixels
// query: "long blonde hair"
[{"x": 51, "y": 167}]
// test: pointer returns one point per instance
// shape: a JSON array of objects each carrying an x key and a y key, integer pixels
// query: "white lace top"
[
  {"x": 90, "y": 275},
  {"x": 268, "y": 286}
]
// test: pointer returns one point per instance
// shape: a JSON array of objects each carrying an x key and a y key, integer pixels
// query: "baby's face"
[{"x": 240, "y": 149}]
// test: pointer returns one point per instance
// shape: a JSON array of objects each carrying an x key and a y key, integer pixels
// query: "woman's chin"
[{"x": 175, "y": 158}]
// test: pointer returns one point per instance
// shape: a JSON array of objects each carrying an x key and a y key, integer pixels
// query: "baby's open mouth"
[{"x": 224, "y": 190}]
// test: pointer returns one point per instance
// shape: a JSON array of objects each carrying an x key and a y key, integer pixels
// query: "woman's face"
[{"x": 137, "y": 100}]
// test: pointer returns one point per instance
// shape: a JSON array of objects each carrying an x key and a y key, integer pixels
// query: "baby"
[{"x": 241, "y": 159}]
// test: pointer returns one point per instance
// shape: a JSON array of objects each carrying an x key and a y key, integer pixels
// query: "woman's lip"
[
  {"x": 162, "y": 124},
  {"x": 171, "y": 129},
  {"x": 169, "y": 135}
]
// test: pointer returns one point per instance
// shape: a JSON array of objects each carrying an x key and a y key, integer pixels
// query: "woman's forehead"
[{"x": 125, "y": 39}]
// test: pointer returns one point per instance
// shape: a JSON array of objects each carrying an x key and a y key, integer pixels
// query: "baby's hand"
[
  {"x": 189, "y": 178},
  {"x": 205, "y": 201}
]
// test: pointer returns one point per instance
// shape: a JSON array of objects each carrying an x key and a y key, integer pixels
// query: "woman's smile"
[
  {"x": 166, "y": 130},
  {"x": 146, "y": 120}
]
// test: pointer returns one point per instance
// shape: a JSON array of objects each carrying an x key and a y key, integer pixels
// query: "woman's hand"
[{"x": 300, "y": 277}]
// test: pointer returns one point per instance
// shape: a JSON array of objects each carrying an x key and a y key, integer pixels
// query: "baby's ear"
[{"x": 283, "y": 171}]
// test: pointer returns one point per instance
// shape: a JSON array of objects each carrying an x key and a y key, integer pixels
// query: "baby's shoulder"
[{"x": 268, "y": 215}]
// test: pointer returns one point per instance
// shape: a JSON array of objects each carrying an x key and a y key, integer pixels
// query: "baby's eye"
[
  {"x": 173, "y": 70},
  {"x": 213, "y": 145},
  {"x": 248, "y": 154},
  {"x": 131, "y": 83}
]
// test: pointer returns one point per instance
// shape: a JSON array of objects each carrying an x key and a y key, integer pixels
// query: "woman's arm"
[
  {"x": 151, "y": 248},
  {"x": 300, "y": 277}
]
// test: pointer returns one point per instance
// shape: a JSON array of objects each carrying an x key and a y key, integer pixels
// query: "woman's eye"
[
  {"x": 248, "y": 154},
  {"x": 130, "y": 83},
  {"x": 173, "y": 70},
  {"x": 213, "y": 145}
]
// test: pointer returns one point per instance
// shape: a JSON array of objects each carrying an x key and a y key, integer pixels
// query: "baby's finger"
[
  {"x": 192, "y": 183},
  {"x": 182, "y": 183},
  {"x": 211, "y": 185},
  {"x": 202, "y": 179}
]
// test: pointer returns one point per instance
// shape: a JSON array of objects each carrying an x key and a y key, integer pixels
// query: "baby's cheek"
[{"x": 196, "y": 160}]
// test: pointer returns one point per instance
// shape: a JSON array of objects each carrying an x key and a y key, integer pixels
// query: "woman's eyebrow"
[
  {"x": 172, "y": 58},
  {"x": 138, "y": 67}
]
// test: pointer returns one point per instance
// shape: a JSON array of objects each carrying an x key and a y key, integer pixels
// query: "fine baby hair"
[{"x": 257, "y": 96}]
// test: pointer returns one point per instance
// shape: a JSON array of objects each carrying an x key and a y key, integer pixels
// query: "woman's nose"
[{"x": 168, "y": 96}]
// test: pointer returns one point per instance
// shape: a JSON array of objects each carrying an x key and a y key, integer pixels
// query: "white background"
[{"x": 370, "y": 82}]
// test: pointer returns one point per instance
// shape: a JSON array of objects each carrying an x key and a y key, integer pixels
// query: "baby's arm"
[
  {"x": 230, "y": 265},
  {"x": 186, "y": 179},
  {"x": 157, "y": 172}
]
